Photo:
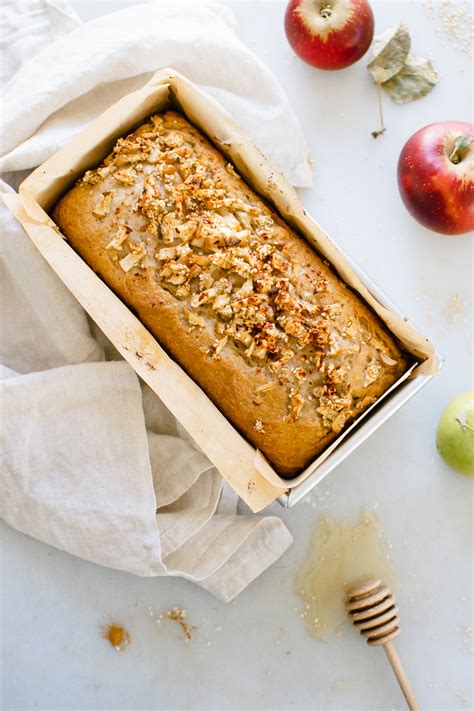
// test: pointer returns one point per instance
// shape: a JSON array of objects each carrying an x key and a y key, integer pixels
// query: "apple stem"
[
  {"x": 460, "y": 149},
  {"x": 325, "y": 10},
  {"x": 464, "y": 425},
  {"x": 382, "y": 129}
]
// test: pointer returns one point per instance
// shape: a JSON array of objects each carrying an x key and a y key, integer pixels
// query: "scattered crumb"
[
  {"x": 179, "y": 616},
  {"x": 454, "y": 21},
  {"x": 258, "y": 426},
  {"x": 466, "y": 632},
  {"x": 454, "y": 310},
  {"x": 339, "y": 685},
  {"x": 318, "y": 500},
  {"x": 437, "y": 311}
]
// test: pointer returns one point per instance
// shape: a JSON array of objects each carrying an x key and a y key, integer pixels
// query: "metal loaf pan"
[{"x": 374, "y": 416}]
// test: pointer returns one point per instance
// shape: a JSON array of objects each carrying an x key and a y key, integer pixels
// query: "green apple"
[{"x": 455, "y": 434}]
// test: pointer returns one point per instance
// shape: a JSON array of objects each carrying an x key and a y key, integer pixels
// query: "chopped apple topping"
[
  {"x": 133, "y": 258},
  {"x": 388, "y": 361},
  {"x": 371, "y": 374},
  {"x": 119, "y": 238},
  {"x": 266, "y": 386},
  {"x": 103, "y": 205},
  {"x": 217, "y": 346},
  {"x": 127, "y": 176},
  {"x": 166, "y": 253},
  {"x": 194, "y": 319},
  {"x": 230, "y": 258}
]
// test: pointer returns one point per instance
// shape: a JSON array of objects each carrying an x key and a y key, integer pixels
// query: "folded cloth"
[
  {"x": 61, "y": 90},
  {"x": 28, "y": 26},
  {"x": 91, "y": 460},
  {"x": 81, "y": 472}
]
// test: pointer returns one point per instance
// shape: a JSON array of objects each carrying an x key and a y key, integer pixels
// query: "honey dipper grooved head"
[{"x": 373, "y": 611}]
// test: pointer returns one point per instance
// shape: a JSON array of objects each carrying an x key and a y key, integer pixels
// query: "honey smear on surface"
[{"x": 339, "y": 554}]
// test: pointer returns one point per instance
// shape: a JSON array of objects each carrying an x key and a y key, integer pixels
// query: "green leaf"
[
  {"x": 415, "y": 79},
  {"x": 389, "y": 52}
]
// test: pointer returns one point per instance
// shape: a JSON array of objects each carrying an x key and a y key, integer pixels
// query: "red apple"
[
  {"x": 329, "y": 34},
  {"x": 436, "y": 176}
]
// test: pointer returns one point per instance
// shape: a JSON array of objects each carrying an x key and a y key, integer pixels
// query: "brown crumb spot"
[{"x": 116, "y": 635}]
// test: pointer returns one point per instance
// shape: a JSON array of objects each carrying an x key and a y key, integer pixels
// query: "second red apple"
[{"x": 329, "y": 34}]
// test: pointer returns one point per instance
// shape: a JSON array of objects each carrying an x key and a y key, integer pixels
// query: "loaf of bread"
[{"x": 286, "y": 351}]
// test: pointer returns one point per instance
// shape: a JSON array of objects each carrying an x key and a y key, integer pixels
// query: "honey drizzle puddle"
[{"x": 339, "y": 554}]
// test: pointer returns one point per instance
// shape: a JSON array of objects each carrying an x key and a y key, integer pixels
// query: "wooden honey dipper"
[{"x": 373, "y": 611}]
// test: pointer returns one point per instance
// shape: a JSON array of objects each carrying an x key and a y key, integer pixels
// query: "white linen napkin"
[
  {"x": 78, "y": 76},
  {"x": 92, "y": 462}
]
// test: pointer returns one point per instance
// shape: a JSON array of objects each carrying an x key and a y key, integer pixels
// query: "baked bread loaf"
[{"x": 281, "y": 345}]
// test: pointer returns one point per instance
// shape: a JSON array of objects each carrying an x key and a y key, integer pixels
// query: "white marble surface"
[{"x": 52, "y": 654}]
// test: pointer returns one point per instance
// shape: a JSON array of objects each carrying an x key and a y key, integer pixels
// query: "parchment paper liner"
[{"x": 247, "y": 471}]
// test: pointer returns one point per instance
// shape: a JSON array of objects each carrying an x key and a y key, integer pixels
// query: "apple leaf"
[
  {"x": 389, "y": 52},
  {"x": 415, "y": 79}
]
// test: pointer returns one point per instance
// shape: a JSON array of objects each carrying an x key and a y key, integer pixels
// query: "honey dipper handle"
[{"x": 402, "y": 678}]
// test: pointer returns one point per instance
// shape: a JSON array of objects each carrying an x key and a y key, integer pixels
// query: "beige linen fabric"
[{"x": 91, "y": 461}]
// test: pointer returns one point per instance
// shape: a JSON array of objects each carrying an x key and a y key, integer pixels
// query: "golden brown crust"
[{"x": 285, "y": 350}]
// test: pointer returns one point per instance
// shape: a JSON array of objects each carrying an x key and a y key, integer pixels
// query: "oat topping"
[{"x": 230, "y": 262}]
